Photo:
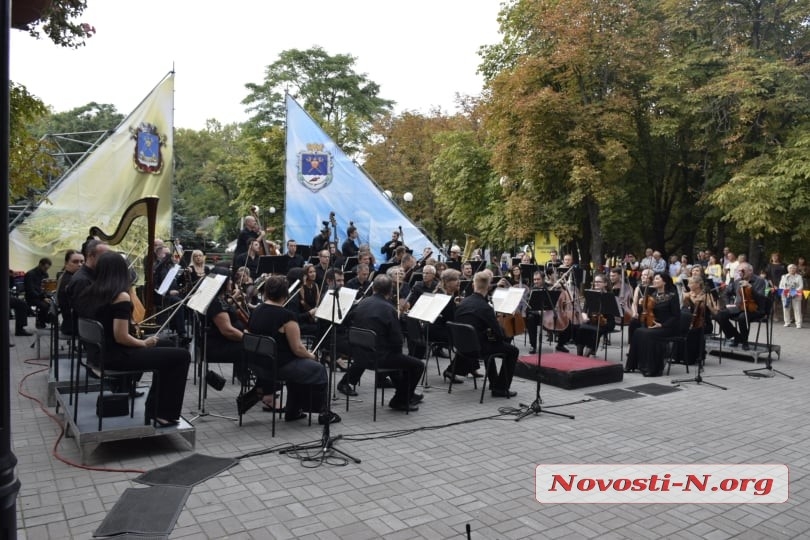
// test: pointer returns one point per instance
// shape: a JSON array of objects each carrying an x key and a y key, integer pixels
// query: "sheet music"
[
  {"x": 346, "y": 298},
  {"x": 428, "y": 307},
  {"x": 167, "y": 281},
  {"x": 206, "y": 292},
  {"x": 506, "y": 300}
]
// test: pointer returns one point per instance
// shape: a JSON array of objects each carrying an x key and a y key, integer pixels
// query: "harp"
[{"x": 146, "y": 207}]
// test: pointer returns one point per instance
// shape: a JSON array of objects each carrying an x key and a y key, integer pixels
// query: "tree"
[
  {"x": 564, "y": 98},
  {"x": 344, "y": 102},
  {"x": 56, "y": 21},
  {"x": 400, "y": 159},
  {"x": 30, "y": 161}
]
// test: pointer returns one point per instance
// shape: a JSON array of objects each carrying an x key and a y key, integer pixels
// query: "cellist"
[{"x": 554, "y": 321}]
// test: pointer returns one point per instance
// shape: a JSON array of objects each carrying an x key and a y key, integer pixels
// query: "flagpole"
[{"x": 9, "y": 484}]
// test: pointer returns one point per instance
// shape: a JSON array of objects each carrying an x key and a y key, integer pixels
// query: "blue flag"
[{"x": 321, "y": 179}]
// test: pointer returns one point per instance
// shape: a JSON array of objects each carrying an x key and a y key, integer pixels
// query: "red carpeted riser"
[{"x": 569, "y": 371}]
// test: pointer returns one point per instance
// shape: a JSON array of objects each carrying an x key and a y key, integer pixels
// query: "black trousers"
[
  {"x": 404, "y": 387},
  {"x": 502, "y": 379}
]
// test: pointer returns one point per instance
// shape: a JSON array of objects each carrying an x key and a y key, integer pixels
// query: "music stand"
[
  {"x": 541, "y": 300},
  {"x": 273, "y": 264},
  {"x": 427, "y": 308},
  {"x": 330, "y": 309},
  {"x": 527, "y": 272},
  {"x": 465, "y": 287},
  {"x": 349, "y": 264},
  {"x": 207, "y": 290},
  {"x": 603, "y": 303}
]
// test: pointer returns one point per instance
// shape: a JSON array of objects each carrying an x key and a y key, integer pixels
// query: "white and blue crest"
[{"x": 314, "y": 167}]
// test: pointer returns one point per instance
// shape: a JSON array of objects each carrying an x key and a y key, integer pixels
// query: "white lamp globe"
[{"x": 408, "y": 196}]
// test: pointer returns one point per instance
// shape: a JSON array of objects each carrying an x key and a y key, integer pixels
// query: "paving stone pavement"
[{"x": 432, "y": 481}]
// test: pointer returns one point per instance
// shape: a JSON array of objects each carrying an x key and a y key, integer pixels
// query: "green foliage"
[
  {"x": 30, "y": 162},
  {"x": 342, "y": 101},
  {"x": 57, "y": 24}
]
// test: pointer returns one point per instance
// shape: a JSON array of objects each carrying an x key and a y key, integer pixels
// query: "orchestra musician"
[
  {"x": 594, "y": 325},
  {"x": 197, "y": 269},
  {"x": 107, "y": 301},
  {"x": 249, "y": 259},
  {"x": 438, "y": 330},
  {"x": 400, "y": 289},
  {"x": 309, "y": 297},
  {"x": 321, "y": 240},
  {"x": 553, "y": 265},
  {"x": 163, "y": 264},
  {"x": 322, "y": 266},
  {"x": 350, "y": 247},
  {"x": 696, "y": 301},
  {"x": 35, "y": 295},
  {"x": 558, "y": 322},
  {"x": 476, "y": 311},
  {"x": 427, "y": 284},
  {"x": 622, "y": 290},
  {"x": 73, "y": 262},
  {"x": 360, "y": 282},
  {"x": 743, "y": 306},
  {"x": 225, "y": 322},
  {"x": 247, "y": 235},
  {"x": 294, "y": 259},
  {"x": 637, "y": 312},
  {"x": 662, "y": 319},
  {"x": 390, "y": 248},
  {"x": 375, "y": 313},
  {"x": 305, "y": 377}
]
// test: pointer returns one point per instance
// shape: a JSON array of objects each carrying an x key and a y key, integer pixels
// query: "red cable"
[{"x": 55, "y": 453}]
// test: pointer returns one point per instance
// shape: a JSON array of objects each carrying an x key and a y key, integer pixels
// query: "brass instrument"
[
  {"x": 146, "y": 207},
  {"x": 470, "y": 244}
]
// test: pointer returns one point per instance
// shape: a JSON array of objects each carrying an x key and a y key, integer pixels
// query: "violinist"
[
  {"x": 594, "y": 325},
  {"x": 637, "y": 310},
  {"x": 745, "y": 304},
  {"x": 662, "y": 319},
  {"x": 553, "y": 322},
  {"x": 427, "y": 284},
  {"x": 225, "y": 326},
  {"x": 249, "y": 259},
  {"x": 696, "y": 301},
  {"x": 360, "y": 282}
]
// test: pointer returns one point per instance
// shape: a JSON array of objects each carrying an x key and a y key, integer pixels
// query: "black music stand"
[
  {"x": 605, "y": 304},
  {"x": 273, "y": 264},
  {"x": 465, "y": 287},
  {"x": 541, "y": 300},
  {"x": 527, "y": 273},
  {"x": 349, "y": 264}
]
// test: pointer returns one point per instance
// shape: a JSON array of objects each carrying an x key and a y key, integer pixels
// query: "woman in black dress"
[
  {"x": 646, "y": 348},
  {"x": 296, "y": 365},
  {"x": 108, "y": 302}
]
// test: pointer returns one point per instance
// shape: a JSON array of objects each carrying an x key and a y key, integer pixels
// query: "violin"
[{"x": 647, "y": 317}]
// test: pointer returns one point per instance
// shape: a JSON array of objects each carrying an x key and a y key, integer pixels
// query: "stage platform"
[
  {"x": 569, "y": 371},
  {"x": 756, "y": 351},
  {"x": 116, "y": 428}
]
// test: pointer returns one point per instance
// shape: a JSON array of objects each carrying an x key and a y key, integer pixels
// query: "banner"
[
  {"x": 321, "y": 179},
  {"x": 135, "y": 161}
]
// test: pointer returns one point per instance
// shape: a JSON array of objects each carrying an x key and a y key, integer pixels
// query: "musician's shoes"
[
  {"x": 416, "y": 399},
  {"x": 345, "y": 388},
  {"x": 745, "y": 346},
  {"x": 385, "y": 383},
  {"x": 587, "y": 351},
  {"x": 398, "y": 406},
  {"x": 561, "y": 348},
  {"x": 733, "y": 342},
  {"x": 293, "y": 416},
  {"x": 23, "y": 332},
  {"x": 504, "y": 393},
  {"x": 447, "y": 376},
  {"x": 476, "y": 375},
  {"x": 534, "y": 351},
  {"x": 247, "y": 400}
]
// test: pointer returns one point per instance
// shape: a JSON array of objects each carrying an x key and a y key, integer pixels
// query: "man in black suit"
[
  {"x": 375, "y": 313},
  {"x": 476, "y": 311},
  {"x": 295, "y": 260}
]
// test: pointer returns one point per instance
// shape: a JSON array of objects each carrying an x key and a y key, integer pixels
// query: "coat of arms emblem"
[
  {"x": 148, "y": 143},
  {"x": 315, "y": 167}
]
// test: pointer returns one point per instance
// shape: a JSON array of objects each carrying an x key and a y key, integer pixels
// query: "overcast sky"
[{"x": 421, "y": 52}]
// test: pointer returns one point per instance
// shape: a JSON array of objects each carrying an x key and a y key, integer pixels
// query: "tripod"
[
  {"x": 541, "y": 300},
  {"x": 768, "y": 369},
  {"x": 697, "y": 379},
  {"x": 326, "y": 446}
]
